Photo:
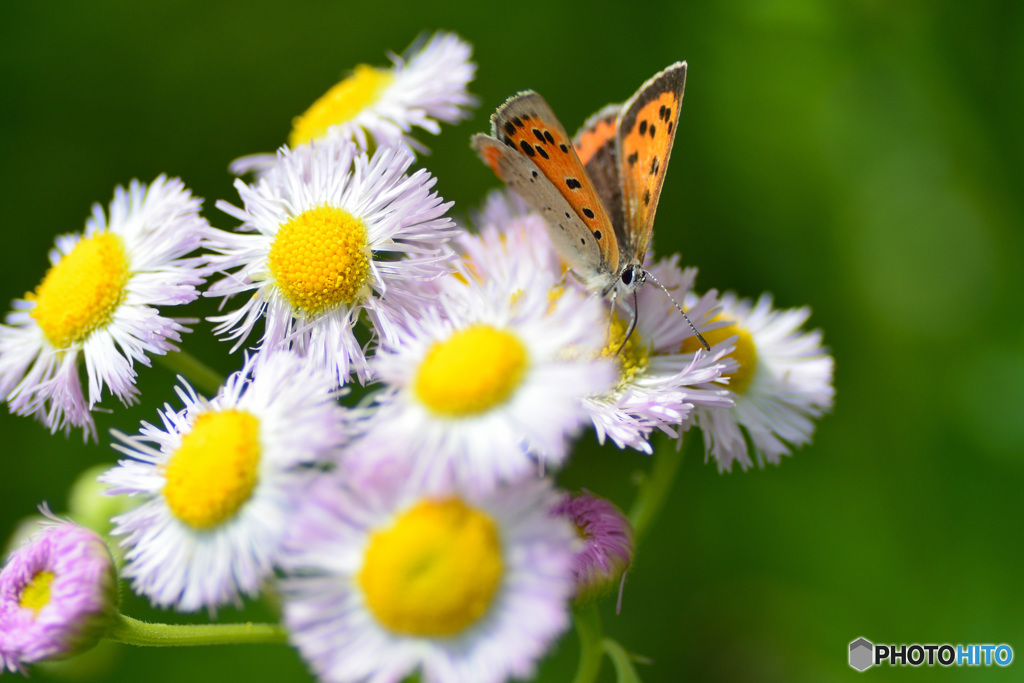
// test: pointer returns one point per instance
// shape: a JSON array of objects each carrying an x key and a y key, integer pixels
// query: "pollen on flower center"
[
  {"x": 435, "y": 571},
  {"x": 36, "y": 594},
  {"x": 471, "y": 372},
  {"x": 321, "y": 259},
  {"x": 634, "y": 354},
  {"x": 81, "y": 292},
  {"x": 745, "y": 354},
  {"x": 341, "y": 103},
  {"x": 215, "y": 469}
]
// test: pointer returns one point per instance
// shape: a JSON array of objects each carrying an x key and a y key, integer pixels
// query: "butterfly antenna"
[
  {"x": 700, "y": 337},
  {"x": 632, "y": 325}
]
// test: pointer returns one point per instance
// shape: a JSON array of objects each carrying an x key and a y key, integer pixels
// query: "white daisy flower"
[
  {"x": 385, "y": 231},
  {"x": 461, "y": 585},
  {"x": 659, "y": 384},
  {"x": 783, "y": 383},
  {"x": 490, "y": 383},
  {"x": 219, "y": 481},
  {"x": 382, "y": 106},
  {"x": 97, "y": 304}
]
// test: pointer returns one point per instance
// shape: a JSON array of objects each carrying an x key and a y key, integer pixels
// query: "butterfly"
[{"x": 599, "y": 191}]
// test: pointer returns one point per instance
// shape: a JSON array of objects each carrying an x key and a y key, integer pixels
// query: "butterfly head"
[{"x": 631, "y": 278}]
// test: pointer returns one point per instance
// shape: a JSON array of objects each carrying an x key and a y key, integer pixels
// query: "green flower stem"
[
  {"x": 621, "y": 660},
  {"x": 588, "y": 627},
  {"x": 655, "y": 488},
  {"x": 198, "y": 374},
  {"x": 135, "y": 632}
]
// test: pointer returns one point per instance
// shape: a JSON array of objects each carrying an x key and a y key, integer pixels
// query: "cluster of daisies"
[{"x": 384, "y": 458}]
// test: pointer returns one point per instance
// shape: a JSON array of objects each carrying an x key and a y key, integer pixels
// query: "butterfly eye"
[{"x": 627, "y": 276}]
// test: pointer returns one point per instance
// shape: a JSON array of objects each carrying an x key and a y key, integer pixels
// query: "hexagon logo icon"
[{"x": 862, "y": 654}]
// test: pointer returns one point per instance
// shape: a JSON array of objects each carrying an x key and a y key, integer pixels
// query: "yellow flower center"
[
  {"x": 471, "y": 372},
  {"x": 36, "y": 594},
  {"x": 215, "y": 469},
  {"x": 320, "y": 259},
  {"x": 633, "y": 357},
  {"x": 81, "y": 293},
  {"x": 745, "y": 354},
  {"x": 435, "y": 571},
  {"x": 341, "y": 103}
]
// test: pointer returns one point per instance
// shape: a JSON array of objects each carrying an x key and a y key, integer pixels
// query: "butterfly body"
[{"x": 598, "y": 192}]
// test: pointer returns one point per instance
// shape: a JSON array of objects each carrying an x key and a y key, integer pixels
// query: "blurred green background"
[{"x": 860, "y": 157}]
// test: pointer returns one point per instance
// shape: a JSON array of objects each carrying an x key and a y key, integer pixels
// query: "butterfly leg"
[{"x": 565, "y": 276}]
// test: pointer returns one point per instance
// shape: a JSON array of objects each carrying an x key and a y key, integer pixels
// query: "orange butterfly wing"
[
  {"x": 646, "y": 131},
  {"x": 597, "y": 132},
  {"x": 527, "y": 124}
]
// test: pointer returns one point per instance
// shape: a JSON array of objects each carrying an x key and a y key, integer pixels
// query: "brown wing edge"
[
  {"x": 536, "y": 102},
  {"x": 675, "y": 75}
]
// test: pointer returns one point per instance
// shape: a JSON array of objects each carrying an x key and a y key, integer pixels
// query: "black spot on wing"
[
  {"x": 647, "y": 197},
  {"x": 565, "y": 150},
  {"x": 654, "y": 166},
  {"x": 509, "y": 128},
  {"x": 537, "y": 134},
  {"x": 588, "y": 213},
  {"x": 632, "y": 158},
  {"x": 518, "y": 122},
  {"x": 508, "y": 141},
  {"x": 549, "y": 137},
  {"x": 652, "y": 131},
  {"x": 597, "y": 234},
  {"x": 643, "y": 127},
  {"x": 573, "y": 184},
  {"x": 527, "y": 148},
  {"x": 540, "y": 151}
]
